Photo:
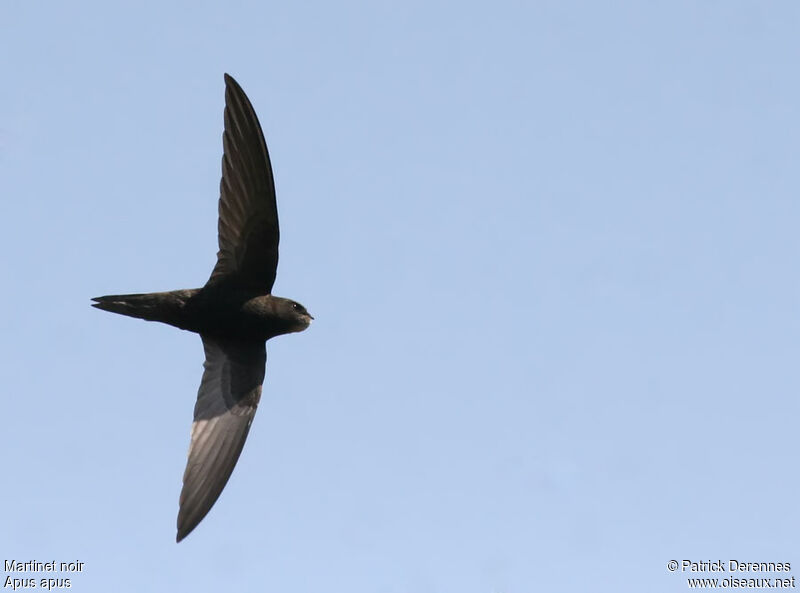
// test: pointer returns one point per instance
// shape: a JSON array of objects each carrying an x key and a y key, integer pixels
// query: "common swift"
[{"x": 235, "y": 312}]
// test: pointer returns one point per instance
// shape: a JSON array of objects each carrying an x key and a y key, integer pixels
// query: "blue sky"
[{"x": 551, "y": 249}]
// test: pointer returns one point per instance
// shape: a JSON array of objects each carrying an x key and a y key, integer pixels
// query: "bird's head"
[{"x": 297, "y": 314}]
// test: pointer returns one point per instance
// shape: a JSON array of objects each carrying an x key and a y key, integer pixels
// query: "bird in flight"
[{"x": 235, "y": 312}]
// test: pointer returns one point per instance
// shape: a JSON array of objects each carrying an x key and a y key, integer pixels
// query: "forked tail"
[{"x": 153, "y": 306}]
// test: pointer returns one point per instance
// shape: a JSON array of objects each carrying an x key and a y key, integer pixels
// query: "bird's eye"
[{"x": 297, "y": 307}]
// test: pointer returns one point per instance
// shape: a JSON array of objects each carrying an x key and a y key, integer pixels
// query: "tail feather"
[{"x": 151, "y": 306}]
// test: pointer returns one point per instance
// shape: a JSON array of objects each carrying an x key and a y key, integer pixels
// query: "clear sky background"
[{"x": 552, "y": 251}]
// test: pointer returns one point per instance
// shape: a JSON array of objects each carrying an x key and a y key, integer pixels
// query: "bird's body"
[
  {"x": 213, "y": 311},
  {"x": 234, "y": 313}
]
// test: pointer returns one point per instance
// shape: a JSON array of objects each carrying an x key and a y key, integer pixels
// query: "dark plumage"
[{"x": 234, "y": 312}]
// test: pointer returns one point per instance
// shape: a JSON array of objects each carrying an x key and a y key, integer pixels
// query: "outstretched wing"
[
  {"x": 226, "y": 404},
  {"x": 248, "y": 215}
]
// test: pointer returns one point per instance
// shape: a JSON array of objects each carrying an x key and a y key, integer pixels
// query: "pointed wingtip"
[{"x": 184, "y": 529}]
